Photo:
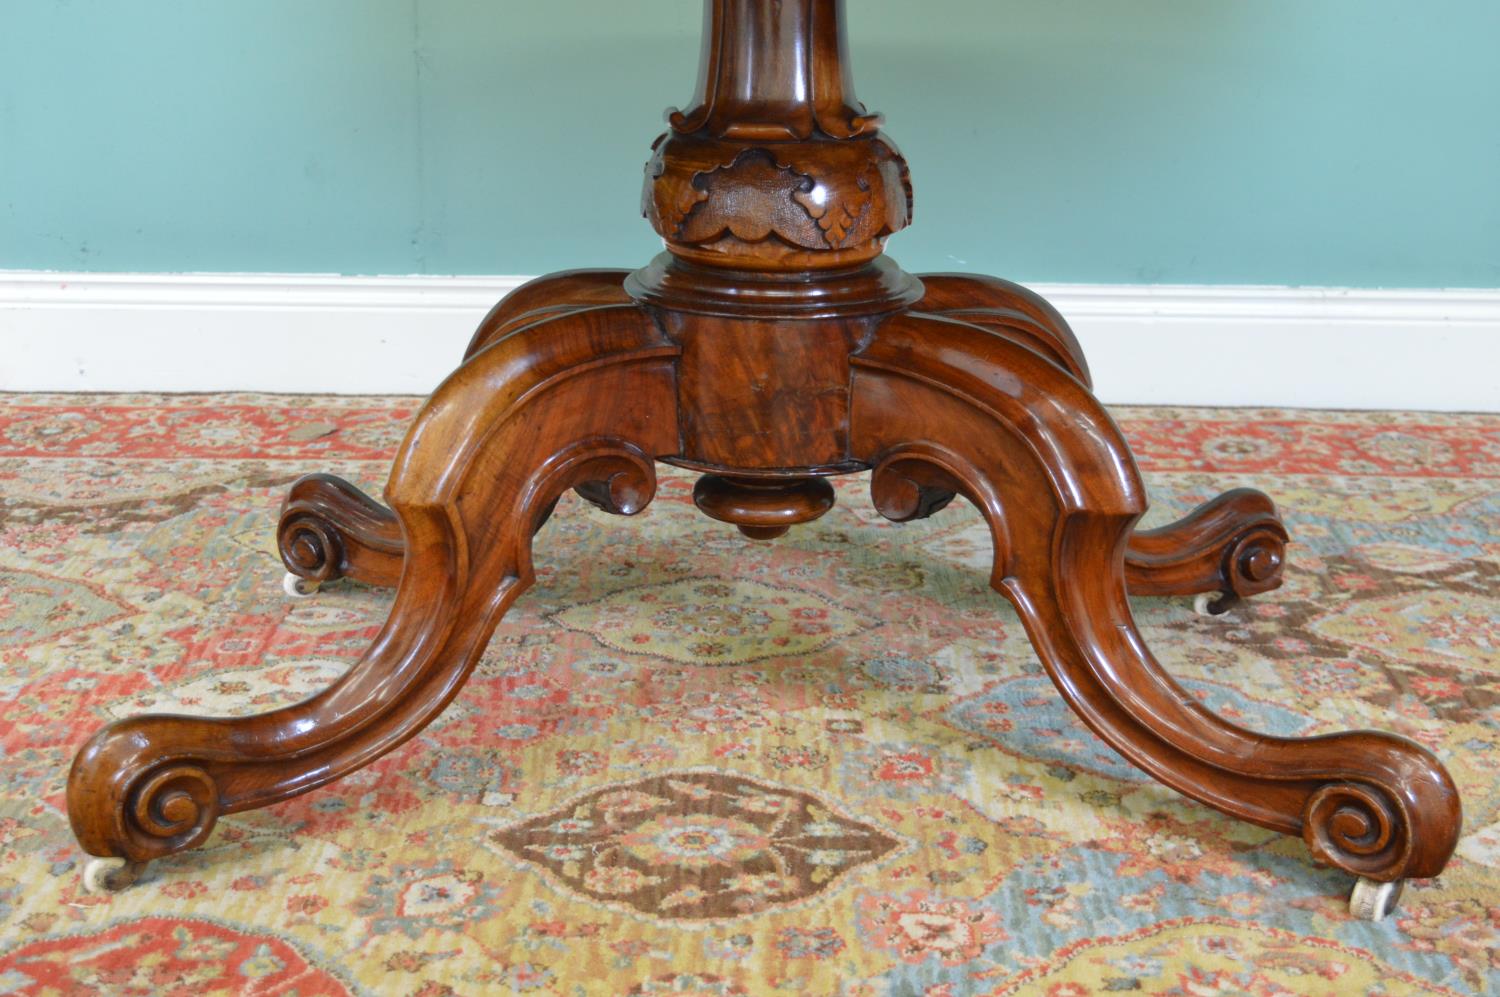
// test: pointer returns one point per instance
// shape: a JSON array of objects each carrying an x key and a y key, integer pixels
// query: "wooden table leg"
[
  {"x": 944, "y": 406},
  {"x": 587, "y": 399},
  {"x": 772, "y": 345}
]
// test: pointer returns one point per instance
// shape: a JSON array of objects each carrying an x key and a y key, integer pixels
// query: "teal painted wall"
[{"x": 1343, "y": 142}]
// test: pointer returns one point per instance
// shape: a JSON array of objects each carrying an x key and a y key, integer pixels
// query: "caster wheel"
[
  {"x": 1372, "y": 901},
  {"x": 1213, "y": 604},
  {"x": 297, "y": 587},
  {"x": 110, "y": 875}
]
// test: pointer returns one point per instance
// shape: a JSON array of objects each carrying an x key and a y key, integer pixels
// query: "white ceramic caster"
[
  {"x": 1212, "y": 604},
  {"x": 1372, "y": 901},
  {"x": 110, "y": 875},
  {"x": 297, "y": 587}
]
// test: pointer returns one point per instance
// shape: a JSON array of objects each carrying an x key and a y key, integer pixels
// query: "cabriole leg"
[
  {"x": 943, "y": 407},
  {"x": 329, "y": 529},
  {"x": 1229, "y": 548},
  {"x": 586, "y": 400}
]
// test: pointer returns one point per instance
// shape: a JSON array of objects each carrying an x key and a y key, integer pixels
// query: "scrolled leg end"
[
  {"x": 1257, "y": 560},
  {"x": 329, "y": 529},
  {"x": 311, "y": 549},
  {"x": 131, "y": 797},
  {"x": 1402, "y": 822},
  {"x": 1359, "y": 829}
]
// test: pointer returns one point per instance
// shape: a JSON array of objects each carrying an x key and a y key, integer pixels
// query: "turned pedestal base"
[
  {"x": 573, "y": 385},
  {"x": 771, "y": 347}
]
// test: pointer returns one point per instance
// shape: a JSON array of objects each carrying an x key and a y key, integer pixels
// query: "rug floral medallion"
[{"x": 692, "y": 764}]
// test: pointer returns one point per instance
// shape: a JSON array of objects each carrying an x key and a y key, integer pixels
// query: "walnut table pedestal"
[{"x": 771, "y": 346}]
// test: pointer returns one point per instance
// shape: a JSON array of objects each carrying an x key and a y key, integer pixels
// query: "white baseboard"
[{"x": 1147, "y": 344}]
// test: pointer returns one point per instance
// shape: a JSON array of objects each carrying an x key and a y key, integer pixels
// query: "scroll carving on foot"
[
  {"x": 1233, "y": 545},
  {"x": 771, "y": 346},
  {"x": 329, "y": 530},
  {"x": 154, "y": 785},
  {"x": 1016, "y": 434},
  {"x": 1358, "y": 828}
]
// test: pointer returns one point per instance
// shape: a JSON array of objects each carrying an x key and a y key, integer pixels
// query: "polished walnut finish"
[{"x": 771, "y": 346}]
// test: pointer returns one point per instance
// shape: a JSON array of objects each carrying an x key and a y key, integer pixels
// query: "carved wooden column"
[
  {"x": 771, "y": 346},
  {"x": 774, "y": 192}
]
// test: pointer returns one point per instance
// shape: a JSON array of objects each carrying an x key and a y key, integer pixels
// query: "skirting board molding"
[{"x": 1147, "y": 344}]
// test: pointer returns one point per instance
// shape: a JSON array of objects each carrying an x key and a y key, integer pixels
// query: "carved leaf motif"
[
  {"x": 669, "y": 197},
  {"x": 838, "y": 217},
  {"x": 752, "y": 198},
  {"x": 869, "y": 202},
  {"x": 837, "y": 197},
  {"x": 684, "y": 200}
]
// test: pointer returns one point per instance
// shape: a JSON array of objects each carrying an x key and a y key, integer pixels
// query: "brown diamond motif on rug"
[{"x": 696, "y": 845}]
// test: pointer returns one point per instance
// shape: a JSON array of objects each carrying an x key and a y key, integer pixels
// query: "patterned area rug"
[{"x": 834, "y": 759}]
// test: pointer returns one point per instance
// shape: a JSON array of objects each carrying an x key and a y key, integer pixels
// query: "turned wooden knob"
[{"x": 763, "y": 508}]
